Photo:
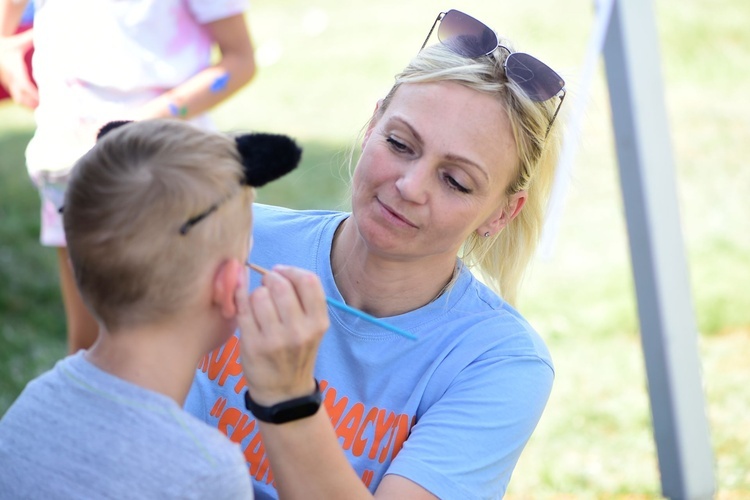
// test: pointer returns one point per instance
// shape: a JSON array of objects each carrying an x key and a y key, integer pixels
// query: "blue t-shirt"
[{"x": 451, "y": 411}]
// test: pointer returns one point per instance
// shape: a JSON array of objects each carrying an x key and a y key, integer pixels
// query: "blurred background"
[{"x": 324, "y": 64}]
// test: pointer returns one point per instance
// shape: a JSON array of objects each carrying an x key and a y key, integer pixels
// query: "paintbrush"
[{"x": 355, "y": 312}]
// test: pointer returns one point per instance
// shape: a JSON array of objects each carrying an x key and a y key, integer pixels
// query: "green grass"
[{"x": 595, "y": 439}]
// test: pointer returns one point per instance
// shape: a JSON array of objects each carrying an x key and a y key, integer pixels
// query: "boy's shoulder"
[{"x": 78, "y": 421}]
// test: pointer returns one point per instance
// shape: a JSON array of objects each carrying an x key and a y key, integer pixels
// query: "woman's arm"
[
  {"x": 308, "y": 462},
  {"x": 215, "y": 83},
  {"x": 281, "y": 325}
]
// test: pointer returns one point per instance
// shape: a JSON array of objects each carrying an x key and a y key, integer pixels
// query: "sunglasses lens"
[
  {"x": 539, "y": 81},
  {"x": 466, "y": 35}
]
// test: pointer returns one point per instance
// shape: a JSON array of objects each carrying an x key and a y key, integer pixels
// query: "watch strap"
[{"x": 286, "y": 411}]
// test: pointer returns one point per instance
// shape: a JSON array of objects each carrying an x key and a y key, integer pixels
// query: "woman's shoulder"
[
  {"x": 272, "y": 214},
  {"x": 280, "y": 221},
  {"x": 490, "y": 321},
  {"x": 285, "y": 235}
]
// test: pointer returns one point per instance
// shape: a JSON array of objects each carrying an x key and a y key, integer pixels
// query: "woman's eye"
[
  {"x": 398, "y": 146},
  {"x": 454, "y": 184}
]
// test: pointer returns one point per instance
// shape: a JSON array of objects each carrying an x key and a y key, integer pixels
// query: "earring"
[{"x": 487, "y": 234}]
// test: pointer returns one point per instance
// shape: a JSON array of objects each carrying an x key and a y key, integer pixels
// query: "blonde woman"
[{"x": 455, "y": 170}]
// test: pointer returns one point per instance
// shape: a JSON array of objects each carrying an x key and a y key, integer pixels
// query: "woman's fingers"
[
  {"x": 282, "y": 326},
  {"x": 298, "y": 302},
  {"x": 284, "y": 299},
  {"x": 309, "y": 291},
  {"x": 287, "y": 312}
]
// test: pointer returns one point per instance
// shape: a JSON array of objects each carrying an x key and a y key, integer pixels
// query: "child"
[
  {"x": 158, "y": 219},
  {"x": 16, "y": 50},
  {"x": 98, "y": 61}
]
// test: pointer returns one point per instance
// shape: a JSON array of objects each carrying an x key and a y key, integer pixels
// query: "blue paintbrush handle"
[
  {"x": 372, "y": 319},
  {"x": 350, "y": 310}
]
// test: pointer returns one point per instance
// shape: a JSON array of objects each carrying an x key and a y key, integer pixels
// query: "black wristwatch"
[{"x": 286, "y": 411}]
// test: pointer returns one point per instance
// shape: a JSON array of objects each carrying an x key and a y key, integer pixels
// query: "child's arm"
[
  {"x": 11, "y": 12},
  {"x": 14, "y": 75},
  {"x": 215, "y": 83}
]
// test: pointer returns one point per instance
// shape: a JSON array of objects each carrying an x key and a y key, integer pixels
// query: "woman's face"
[{"x": 434, "y": 168}]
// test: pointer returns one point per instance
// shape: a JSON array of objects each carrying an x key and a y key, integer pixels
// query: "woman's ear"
[
  {"x": 226, "y": 280},
  {"x": 515, "y": 204},
  {"x": 502, "y": 216}
]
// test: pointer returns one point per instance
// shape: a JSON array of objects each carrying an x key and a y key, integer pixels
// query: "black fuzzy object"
[
  {"x": 267, "y": 157},
  {"x": 110, "y": 126}
]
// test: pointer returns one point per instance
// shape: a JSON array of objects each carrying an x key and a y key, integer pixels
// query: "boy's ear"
[{"x": 226, "y": 281}]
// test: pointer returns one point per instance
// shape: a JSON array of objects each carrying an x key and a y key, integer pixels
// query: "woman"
[{"x": 456, "y": 165}]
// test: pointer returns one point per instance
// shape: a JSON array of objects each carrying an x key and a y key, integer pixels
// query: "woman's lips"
[{"x": 395, "y": 215}]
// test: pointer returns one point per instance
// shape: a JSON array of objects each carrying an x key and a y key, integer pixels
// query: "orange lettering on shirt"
[
  {"x": 335, "y": 408},
  {"x": 359, "y": 443},
  {"x": 218, "y": 406},
  {"x": 229, "y": 418},
  {"x": 401, "y": 434},
  {"x": 233, "y": 366},
  {"x": 219, "y": 358},
  {"x": 203, "y": 365},
  {"x": 262, "y": 469},
  {"x": 349, "y": 425},
  {"x": 254, "y": 453},
  {"x": 242, "y": 429},
  {"x": 367, "y": 476},
  {"x": 241, "y": 384},
  {"x": 382, "y": 425}
]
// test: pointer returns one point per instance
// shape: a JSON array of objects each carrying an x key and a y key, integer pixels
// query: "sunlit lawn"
[{"x": 324, "y": 65}]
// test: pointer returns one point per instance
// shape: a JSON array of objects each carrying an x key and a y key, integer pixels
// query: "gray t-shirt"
[{"x": 79, "y": 432}]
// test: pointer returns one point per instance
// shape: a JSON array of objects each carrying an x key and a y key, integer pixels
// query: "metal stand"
[{"x": 668, "y": 328}]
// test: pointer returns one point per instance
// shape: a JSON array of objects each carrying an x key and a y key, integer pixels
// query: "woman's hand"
[{"x": 281, "y": 323}]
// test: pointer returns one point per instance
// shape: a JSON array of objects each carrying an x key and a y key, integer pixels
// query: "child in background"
[
  {"x": 99, "y": 61},
  {"x": 158, "y": 221},
  {"x": 16, "y": 50}
]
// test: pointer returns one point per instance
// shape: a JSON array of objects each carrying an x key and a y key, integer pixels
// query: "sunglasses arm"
[
  {"x": 438, "y": 18},
  {"x": 552, "y": 120}
]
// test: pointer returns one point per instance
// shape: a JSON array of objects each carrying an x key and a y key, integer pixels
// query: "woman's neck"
[{"x": 380, "y": 286}]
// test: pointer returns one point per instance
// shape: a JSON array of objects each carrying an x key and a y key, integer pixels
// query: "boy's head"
[{"x": 149, "y": 211}]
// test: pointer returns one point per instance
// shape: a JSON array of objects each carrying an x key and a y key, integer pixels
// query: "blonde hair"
[
  {"x": 501, "y": 260},
  {"x": 124, "y": 206}
]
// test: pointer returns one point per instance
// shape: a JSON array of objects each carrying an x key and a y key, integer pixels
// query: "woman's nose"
[{"x": 413, "y": 183}]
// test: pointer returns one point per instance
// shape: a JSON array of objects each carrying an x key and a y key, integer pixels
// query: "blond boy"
[{"x": 158, "y": 221}]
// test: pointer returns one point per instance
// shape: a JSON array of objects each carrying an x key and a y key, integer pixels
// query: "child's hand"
[
  {"x": 14, "y": 75},
  {"x": 281, "y": 325}
]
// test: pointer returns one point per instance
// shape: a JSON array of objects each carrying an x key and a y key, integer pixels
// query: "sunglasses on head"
[{"x": 470, "y": 37}]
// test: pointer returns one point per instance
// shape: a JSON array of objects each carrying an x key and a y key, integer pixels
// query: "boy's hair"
[{"x": 124, "y": 206}]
